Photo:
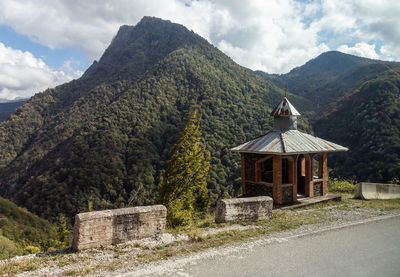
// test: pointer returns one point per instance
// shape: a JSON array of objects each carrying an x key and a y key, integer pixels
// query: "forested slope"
[
  {"x": 354, "y": 102},
  {"x": 105, "y": 137},
  {"x": 22, "y": 232},
  {"x": 368, "y": 121},
  {"x": 327, "y": 78}
]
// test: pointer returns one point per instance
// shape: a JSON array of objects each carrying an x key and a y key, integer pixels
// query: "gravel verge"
[{"x": 122, "y": 259}]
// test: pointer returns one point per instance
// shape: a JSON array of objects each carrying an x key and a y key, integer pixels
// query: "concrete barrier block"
[
  {"x": 244, "y": 209},
  {"x": 94, "y": 229},
  {"x": 377, "y": 191}
]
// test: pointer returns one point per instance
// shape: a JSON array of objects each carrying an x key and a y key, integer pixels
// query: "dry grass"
[{"x": 13, "y": 268}]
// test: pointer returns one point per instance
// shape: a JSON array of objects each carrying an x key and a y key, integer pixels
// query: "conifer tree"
[{"x": 183, "y": 186}]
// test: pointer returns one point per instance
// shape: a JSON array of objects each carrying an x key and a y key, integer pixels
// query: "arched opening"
[
  {"x": 267, "y": 171},
  {"x": 317, "y": 166},
  {"x": 317, "y": 175},
  {"x": 301, "y": 175}
]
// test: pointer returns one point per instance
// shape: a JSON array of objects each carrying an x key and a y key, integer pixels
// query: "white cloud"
[
  {"x": 270, "y": 33},
  {"x": 366, "y": 21},
  {"x": 361, "y": 49},
  {"x": 22, "y": 74},
  {"x": 273, "y": 35}
]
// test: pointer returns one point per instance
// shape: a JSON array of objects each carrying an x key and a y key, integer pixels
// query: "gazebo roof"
[
  {"x": 284, "y": 108},
  {"x": 288, "y": 142}
]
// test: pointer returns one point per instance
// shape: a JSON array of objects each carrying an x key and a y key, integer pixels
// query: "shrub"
[
  {"x": 342, "y": 186},
  {"x": 30, "y": 249},
  {"x": 7, "y": 248}
]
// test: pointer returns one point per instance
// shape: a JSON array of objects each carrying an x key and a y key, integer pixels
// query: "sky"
[{"x": 44, "y": 43}]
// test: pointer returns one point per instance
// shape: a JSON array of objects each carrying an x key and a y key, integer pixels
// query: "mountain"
[
  {"x": 328, "y": 77},
  {"x": 20, "y": 231},
  {"x": 7, "y": 107},
  {"x": 367, "y": 120},
  {"x": 106, "y": 137},
  {"x": 354, "y": 102}
]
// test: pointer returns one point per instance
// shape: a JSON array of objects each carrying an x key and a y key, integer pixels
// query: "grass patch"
[
  {"x": 375, "y": 204},
  {"x": 348, "y": 202},
  {"x": 16, "y": 267},
  {"x": 207, "y": 222}
]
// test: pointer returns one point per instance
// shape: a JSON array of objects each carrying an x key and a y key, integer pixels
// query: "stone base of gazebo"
[{"x": 308, "y": 201}]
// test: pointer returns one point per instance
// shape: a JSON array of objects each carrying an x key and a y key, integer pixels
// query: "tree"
[
  {"x": 63, "y": 232},
  {"x": 183, "y": 186}
]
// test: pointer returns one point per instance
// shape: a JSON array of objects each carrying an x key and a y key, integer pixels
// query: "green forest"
[
  {"x": 105, "y": 138},
  {"x": 356, "y": 104},
  {"x": 24, "y": 233},
  {"x": 369, "y": 121}
]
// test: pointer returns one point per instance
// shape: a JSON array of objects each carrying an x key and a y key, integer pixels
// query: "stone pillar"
[
  {"x": 323, "y": 168},
  {"x": 243, "y": 173},
  {"x": 309, "y": 186},
  {"x": 277, "y": 178}
]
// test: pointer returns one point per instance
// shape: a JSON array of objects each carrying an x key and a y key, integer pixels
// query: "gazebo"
[{"x": 285, "y": 162}]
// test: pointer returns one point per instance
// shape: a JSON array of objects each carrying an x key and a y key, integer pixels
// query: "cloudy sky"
[{"x": 44, "y": 43}]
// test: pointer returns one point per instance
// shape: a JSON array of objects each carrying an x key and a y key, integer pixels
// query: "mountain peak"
[
  {"x": 332, "y": 63},
  {"x": 137, "y": 48}
]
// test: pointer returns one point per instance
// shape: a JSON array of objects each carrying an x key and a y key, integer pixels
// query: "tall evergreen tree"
[{"x": 183, "y": 186}]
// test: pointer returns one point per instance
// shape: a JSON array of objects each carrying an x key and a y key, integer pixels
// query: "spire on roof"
[{"x": 285, "y": 108}]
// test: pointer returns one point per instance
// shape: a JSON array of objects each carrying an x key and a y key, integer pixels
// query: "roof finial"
[{"x": 285, "y": 90}]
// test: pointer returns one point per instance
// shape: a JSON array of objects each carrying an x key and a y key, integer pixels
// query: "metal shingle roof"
[{"x": 288, "y": 142}]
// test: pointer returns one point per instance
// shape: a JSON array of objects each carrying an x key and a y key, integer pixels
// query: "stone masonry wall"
[
  {"x": 287, "y": 195},
  {"x": 257, "y": 190},
  {"x": 246, "y": 208},
  {"x": 318, "y": 189},
  {"x": 93, "y": 229}
]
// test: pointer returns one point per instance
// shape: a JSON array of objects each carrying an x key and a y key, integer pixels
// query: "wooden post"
[
  {"x": 323, "y": 168},
  {"x": 277, "y": 179},
  {"x": 243, "y": 173},
  {"x": 257, "y": 171},
  {"x": 309, "y": 186},
  {"x": 294, "y": 180}
]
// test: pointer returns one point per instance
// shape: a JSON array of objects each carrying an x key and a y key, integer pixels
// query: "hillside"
[
  {"x": 354, "y": 102},
  {"x": 20, "y": 230},
  {"x": 368, "y": 121},
  {"x": 328, "y": 77},
  {"x": 106, "y": 137}
]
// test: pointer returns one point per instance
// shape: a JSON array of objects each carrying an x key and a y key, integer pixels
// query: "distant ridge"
[{"x": 9, "y": 106}]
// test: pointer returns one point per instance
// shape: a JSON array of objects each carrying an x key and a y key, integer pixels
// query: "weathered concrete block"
[
  {"x": 377, "y": 191},
  {"x": 138, "y": 222},
  {"x": 246, "y": 208},
  {"x": 93, "y": 229}
]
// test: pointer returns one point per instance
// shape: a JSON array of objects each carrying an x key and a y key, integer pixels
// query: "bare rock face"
[
  {"x": 244, "y": 209},
  {"x": 93, "y": 229}
]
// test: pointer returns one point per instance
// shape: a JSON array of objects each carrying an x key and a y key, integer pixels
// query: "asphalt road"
[{"x": 371, "y": 249}]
